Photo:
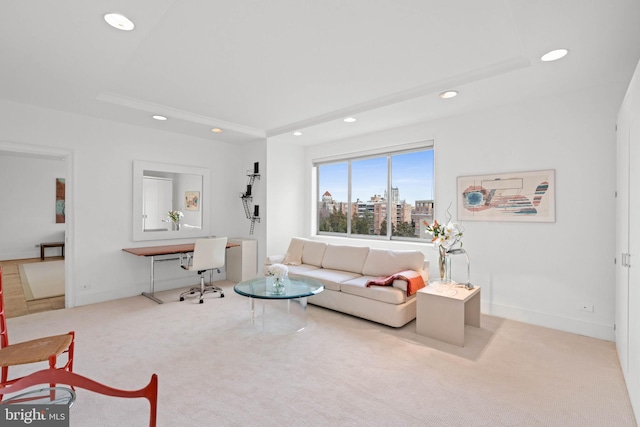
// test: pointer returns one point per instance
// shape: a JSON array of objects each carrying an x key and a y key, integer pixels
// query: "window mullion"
[
  {"x": 349, "y": 204},
  {"x": 389, "y": 223}
]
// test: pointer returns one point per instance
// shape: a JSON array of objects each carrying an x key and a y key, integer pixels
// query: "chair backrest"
[
  {"x": 58, "y": 376},
  {"x": 209, "y": 253}
]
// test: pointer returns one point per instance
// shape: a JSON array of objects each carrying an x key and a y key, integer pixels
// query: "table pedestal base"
[{"x": 279, "y": 316}]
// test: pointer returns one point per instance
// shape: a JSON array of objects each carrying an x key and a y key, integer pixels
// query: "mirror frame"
[{"x": 139, "y": 166}]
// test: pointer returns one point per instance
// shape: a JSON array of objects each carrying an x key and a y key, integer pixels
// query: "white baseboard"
[
  {"x": 567, "y": 324},
  {"x": 20, "y": 255},
  {"x": 91, "y": 296}
]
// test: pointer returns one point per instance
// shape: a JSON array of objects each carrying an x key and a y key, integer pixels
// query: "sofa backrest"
[
  {"x": 345, "y": 258},
  {"x": 313, "y": 252},
  {"x": 383, "y": 262}
]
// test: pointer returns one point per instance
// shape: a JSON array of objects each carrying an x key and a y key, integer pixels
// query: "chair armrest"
[{"x": 186, "y": 264}]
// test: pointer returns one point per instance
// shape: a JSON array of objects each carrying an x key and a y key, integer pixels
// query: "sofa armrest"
[
  {"x": 274, "y": 259},
  {"x": 269, "y": 261},
  {"x": 402, "y": 284}
]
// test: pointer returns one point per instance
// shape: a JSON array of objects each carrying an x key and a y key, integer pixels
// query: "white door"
[
  {"x": 622, "y": 237},
  {"x": 156, "y": 202},
  {"x": 633, "y": 377}
]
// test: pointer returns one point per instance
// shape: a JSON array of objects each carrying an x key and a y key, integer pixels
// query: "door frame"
[{"x": 66, "y": 154}]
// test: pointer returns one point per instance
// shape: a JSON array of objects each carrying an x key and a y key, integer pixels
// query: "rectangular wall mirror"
[{"x": 159, "y": 188}]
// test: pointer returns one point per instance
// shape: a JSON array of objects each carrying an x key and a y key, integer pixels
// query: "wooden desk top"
[{"x": 167, "y": 249}]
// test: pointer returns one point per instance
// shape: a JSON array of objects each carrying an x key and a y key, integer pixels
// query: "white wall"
[
  {"x": 288, "y": 196},
  {"x": 103, "y": 154},
  {"x": 529, "y": 271},
  {"x": 27, "y": 205},
  {"x": 534, "y": 272}
]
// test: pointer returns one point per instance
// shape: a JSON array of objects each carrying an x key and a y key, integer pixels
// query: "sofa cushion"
[
  {"x": 345, "y": 258},
  {"x": 386, "y": 294},
  {"x": 297, "y": 270},
  {"x": 294, "y": 252},
  {"x": 383, "y": 262},
  {"x": 331, "y": 279},
  {"x": 313, "y": 252}
]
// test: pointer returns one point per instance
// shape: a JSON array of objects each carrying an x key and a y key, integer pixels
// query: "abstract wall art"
[
  {"x": 60, "y": 201},
  {"x": 518, "y": 196},
  {"x": 192, "y": 200}
]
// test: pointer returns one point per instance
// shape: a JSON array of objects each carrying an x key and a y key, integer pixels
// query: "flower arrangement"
[
  {"x": 175, "y": 216},
  {"x": 280, "y": 271},
  {"x": 445, "y": 236}
]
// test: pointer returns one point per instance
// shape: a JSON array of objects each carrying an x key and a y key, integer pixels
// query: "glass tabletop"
[
  {"x": 40, "y": 396},
  {"x": 262, "y": 287}
]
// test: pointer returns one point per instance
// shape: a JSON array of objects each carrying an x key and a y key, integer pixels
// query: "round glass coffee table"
[{"x": 283, "y": 310}]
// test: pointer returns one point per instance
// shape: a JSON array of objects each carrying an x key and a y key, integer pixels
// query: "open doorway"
[{"x": 33, "y": 283}]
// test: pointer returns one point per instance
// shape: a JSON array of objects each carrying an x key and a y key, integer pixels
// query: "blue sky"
[{"x": 412, "y": 174}]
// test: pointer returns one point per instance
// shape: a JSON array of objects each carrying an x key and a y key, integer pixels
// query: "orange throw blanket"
[{"x": 414, "y": 281}]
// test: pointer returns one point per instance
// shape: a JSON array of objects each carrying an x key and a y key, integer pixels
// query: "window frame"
[{"x": 349, "y": 158}]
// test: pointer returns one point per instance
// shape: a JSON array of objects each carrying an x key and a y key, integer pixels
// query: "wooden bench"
[{"x": 43, "y": 246}]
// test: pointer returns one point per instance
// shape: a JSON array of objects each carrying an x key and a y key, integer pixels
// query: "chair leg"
[
  {"x": 192, "y": 290},
  {"x": 201, "y": 287},
  {"x": 211, "y": 287}
]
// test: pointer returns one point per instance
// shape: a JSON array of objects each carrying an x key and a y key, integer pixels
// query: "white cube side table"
[{"x": 442, "y": 314}]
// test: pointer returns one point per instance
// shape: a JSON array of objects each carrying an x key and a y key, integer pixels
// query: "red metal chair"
[
  {"x": 33, "y": 351},
  {"x": 58, "y": 376}
]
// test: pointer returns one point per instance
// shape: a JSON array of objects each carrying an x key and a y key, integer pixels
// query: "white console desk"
[
  {"x": 152, "y": 251},
  {"x": 242, "y": 260}
]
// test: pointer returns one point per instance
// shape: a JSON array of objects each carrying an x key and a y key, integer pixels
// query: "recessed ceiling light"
[
  {"x": 297, "y": 133},
  {"x": 554, "y": 55},
  {"x": 216, "y": 130},
  {"x": 158, "y": 117},
  {"x": 350, "y": 119},
  {"x": 449, "y": 94},
  {"x": 118, "y": 21}
]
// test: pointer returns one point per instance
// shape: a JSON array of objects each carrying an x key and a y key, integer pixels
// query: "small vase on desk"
[{"x": 176, "y": 226}]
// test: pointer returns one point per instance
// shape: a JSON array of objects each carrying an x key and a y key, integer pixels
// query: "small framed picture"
[{"x": 192, "y": 200}]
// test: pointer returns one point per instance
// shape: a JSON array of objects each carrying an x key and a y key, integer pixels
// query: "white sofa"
[{"x": 345, "y": 271}]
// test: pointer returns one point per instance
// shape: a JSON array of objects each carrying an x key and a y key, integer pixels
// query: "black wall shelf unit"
[{"x": 247, "y": 197}]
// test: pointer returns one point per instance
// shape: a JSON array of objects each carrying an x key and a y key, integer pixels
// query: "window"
[{"x": 384, "y": 195}]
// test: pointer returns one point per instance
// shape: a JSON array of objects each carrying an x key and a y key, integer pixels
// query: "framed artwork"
[
  {"x": 60, "y": 201},
  {"x": 192, "y": 200},
  {"x": 517, "y": 196}
]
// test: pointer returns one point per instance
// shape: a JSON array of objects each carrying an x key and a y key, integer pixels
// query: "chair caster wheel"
[
  {"x": 201, "y": 301},
  {"x": 181, "y": 298},
  {"x": 193, "y": 292},
  {"x": 221, "y": 295}
]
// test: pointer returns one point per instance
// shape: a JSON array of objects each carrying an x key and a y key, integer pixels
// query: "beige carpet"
[
  {"x": 42, "y": 279},
  {"x": 216, "y": 370}
]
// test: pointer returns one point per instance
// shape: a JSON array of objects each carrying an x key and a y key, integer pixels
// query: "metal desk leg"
[{"x": 151, "y": 295}]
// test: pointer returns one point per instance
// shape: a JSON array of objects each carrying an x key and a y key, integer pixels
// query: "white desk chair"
[{"x": 208, "y": 255}]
